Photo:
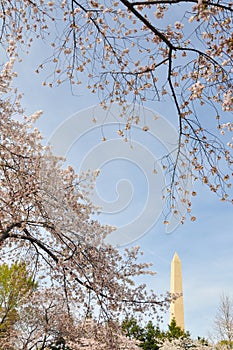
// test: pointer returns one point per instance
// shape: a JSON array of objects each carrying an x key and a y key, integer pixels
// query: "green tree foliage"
[
  {"x": 150, "y": 336},
  {"x": 15, "y": 284},
  {"x": 175, "y": 332},
  {"x": 225, "y": 345},
  {"x": 203, "y": 341},
  {"x": 131, "y": 328}
]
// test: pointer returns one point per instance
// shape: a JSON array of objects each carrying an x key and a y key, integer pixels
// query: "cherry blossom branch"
[
  {"x": 48, "y": 251},
  {"x": 179, "y": 114},
  {"x": 170, "y": 2},
  {"x": 147, "y": 23},
  {"x": 127, "y": 301},
  {"x": 6, "y": 233},
  {"x": 31, "y": 239},
  {"x": 98, "y": 28}
]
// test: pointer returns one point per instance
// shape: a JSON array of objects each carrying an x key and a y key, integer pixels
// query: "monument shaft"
[{"x": 177, "y": 305}]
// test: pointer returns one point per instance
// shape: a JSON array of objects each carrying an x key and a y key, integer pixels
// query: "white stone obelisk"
[{"x": 177, "y": 305}]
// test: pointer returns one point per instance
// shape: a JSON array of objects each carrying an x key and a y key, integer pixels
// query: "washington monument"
[{"x": 177, "y": 306}]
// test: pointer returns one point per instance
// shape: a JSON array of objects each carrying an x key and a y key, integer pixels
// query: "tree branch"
[
  {"x": 34, "y": 240},
  {"x": 147, "y": 23},
  {"x": 170, "y": 2}
]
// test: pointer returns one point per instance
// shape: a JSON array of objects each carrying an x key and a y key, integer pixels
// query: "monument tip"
[{"x": 176, "y": 256}]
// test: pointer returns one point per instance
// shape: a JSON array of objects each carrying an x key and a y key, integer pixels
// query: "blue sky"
[{"x": 204, "y": 246}]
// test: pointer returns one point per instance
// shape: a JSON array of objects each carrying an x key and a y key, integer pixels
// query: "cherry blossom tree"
[
  {"x": 44, "y": 319},
  {"x": 47, "y": 218},
  {"x": 45, "y": 322},
  {"x": 223, "y": 323},
  {"x": 139, "y": 51},
  {"x": 178, "y": 344},
  {"x": 94, "y": 336}
]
